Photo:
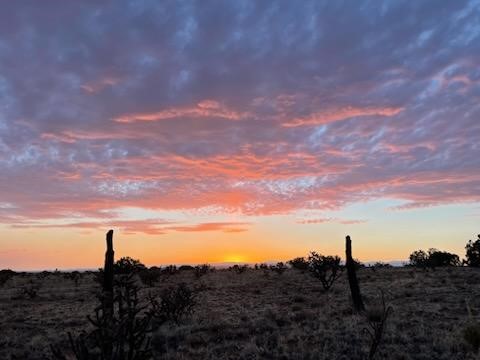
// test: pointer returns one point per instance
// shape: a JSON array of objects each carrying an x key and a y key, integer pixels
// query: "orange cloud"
[
  {"x": 149, "y": 226},
  {"x": 212, "y": 226},
  {"x": 324, "y": 117},
  {"x": 203, "y": 109},
  {"x": 330, "y": 220},
  {"x": 74, "y": 136}
]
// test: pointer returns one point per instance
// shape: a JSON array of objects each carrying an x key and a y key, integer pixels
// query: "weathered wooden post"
[
  {"x": 108, "y": 268},
  {"x": 108, "y": 293},
  {"x": 358, "y": 305}
]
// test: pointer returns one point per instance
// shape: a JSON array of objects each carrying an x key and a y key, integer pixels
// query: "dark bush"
[
  {"x": 380, "y": 265},
  {"x": 5, "y": 275},
  {"x": 186, "y": 268},
  {"x": 239, "y": 269},
  {"x": 434, "y": 258},
  {"x": 376, "y": 317},
  {"x": 473, "y": 253},
  {"x": 279, "y": 268},
  {"x": 44, "y": 274},
  {"x": 127, "y": 265},
  {"x": 299, "y": 263},
  {"x": 125, "y": 336},
  {"x": 149, "y": 276},
  {"x": 201, "y": 270},
  {"x": 419, "y": 258},
  {"x": 325, "y": 268},
  {"x": 170, "y": 270},
  {"x": 263, "y": 266},
  {"x": 175, "y": 304},
  {"x": 438, "y": 258}
]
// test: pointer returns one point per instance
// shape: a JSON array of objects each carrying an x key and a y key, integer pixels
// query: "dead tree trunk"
[
  {"x": 108, "y": 269},
  {"x": 108, "y": 294},
  {"x": 352, "y": 278}
]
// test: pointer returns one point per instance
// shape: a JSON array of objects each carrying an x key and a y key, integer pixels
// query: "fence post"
[
  {"x": 352, "y": 278},
  {"x": 108, "y": 294}
]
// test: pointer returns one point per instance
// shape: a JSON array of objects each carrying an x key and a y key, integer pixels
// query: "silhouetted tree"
[
  {"x": 127, "y": 265},
  {"x": 473, "y": 253},
  {"x": 418, "y": 258},
  {"x": 325, "y": 268},
  {"x": 299, "y": 263},
  {"x": 442, "y": 258},
  {"x": 434, "y": 258}
]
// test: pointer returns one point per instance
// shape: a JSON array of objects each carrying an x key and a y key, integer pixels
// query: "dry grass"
[{"x": 262, "y": 315}]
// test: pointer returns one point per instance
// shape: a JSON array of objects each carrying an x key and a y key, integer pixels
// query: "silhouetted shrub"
[
  {"x": 263, "y": 266},
  {"x": 376, "y": 322},
  {"x": 186, "y": 268},
  {"x": 5, "y": 275},
  {"x": 381, "y": 265},
  {"x": 434, "y": 258},
  {"x": 201, "y": 270},
  {"x": 175, "y": 304},
  {"x": 127, "y": 265},
  {"x": 75, "y": 276},
  {"x": 358, "y": 264},
  {"x": 149, "y": 276},
  {"x": 170, "y": 270},
  {"x": 299, "y": 263},
  {"x": 442, "y": 258},
  {"x": 325, "y": 268},
  {"x": 239, "y": 269},
  {"x": 279, "y": 268},
  {"x": 418, "y": 258},
  {"x": 43, "y": 274},
  {"x": 472, "y": 256},
  {"x": 126, "y": 334}
]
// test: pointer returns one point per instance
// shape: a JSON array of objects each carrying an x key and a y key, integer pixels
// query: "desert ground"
[{"x": 260, "y": 314}]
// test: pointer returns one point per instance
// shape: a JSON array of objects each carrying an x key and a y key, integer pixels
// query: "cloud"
[
  {"x": 130, "y": 227},
  {"x": 331, "y": 220},
  {"x": 275, "y": 108},
  {"x": 204, "y": 109},
  {"x": 341, "y": 114}
]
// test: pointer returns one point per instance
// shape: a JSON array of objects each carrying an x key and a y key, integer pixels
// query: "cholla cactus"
[
  {"x": 377, "y": 319},
  {"x": 121, "y": 324},
  {"x": 325, "y": 268}
]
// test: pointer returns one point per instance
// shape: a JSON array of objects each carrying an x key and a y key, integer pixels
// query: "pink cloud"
[
  {"x": 203, "y": 109},
  {"x": 130, "y": 227},
  {"x": 325, "y": 117},
  {"x": 96, "y": 86},
  {"x": 331, "y": 220}
]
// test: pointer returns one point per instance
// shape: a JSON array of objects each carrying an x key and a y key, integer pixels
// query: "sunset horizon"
[{"x": 247, "y": 131}]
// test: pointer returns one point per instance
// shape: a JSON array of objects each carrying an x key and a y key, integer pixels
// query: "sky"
[{"x": 237, "y": 131}]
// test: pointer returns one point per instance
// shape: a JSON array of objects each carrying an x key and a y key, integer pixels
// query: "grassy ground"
[{"x": 262, "y": 315}]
